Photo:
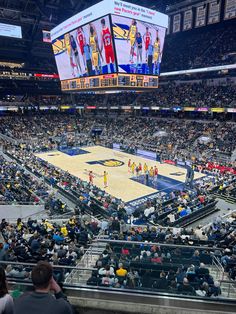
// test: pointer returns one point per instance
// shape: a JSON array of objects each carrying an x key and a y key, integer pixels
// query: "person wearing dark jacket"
[{"x": 41, "y": 300}]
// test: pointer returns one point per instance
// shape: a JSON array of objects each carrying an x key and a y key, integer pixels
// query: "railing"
[
  {"x": 220, "y": 269},
  {"x": 9, "y": 139},
  {"x": 16, "y": 203},
  {"x": 76, "y": 283}
]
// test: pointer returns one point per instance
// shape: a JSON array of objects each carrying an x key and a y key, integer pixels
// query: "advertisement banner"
[
  {"x": 105, "y": 7},
  {"x": 8, "y": 30},
  {"x": 218, "y": 110},
  {"x": 200, "y": 16},
  {"x": 189, "y": 108},
  {"x": 188, "y": 20},
  {"x": 214, "y": 12},
  {"x": 230, "y": 9},
  {"x": 203, "y": 109}
]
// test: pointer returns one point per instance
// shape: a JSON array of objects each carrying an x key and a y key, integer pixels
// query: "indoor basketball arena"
[{"x": 117, "y": 156}]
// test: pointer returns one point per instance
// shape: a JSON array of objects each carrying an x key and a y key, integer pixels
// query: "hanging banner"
[
  {"x": 188, "y": 20},
  {"x": 214, "y": 12},
  {"x": 176, "y": 23},
  {"x": 200, "y": 16},
  {"x": 169, "y": 25},
  {"x": 230, "y": 9}
]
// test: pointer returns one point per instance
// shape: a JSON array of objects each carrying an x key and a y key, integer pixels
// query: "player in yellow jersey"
[
  {"x": 105, "y": 174},
  {"x": 145, "y": 168},
  {"x": 132, "y": 34},
  {"x": 156, "y": 54},
  {"x": 151, "y": 173},
  {"x": 69, "y": 52},
  {"x": 133, "y": 166},
  {"x": 96, "y": 52}
]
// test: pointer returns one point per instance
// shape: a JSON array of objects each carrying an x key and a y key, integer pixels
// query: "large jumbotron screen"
[{"x": 113, "y": 44}]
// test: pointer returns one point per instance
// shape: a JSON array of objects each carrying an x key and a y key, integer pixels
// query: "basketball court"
[{"x": 121, "y": 183}]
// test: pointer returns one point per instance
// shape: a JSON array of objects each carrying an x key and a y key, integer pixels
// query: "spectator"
[
  {"x": 186, "y": 287},
  {"x": 43, "y": 281},
  {"x": 121, "y": 272},
  {"x": 6, "y": 301}
]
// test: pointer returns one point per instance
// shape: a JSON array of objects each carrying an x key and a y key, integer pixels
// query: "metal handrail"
[
  {"x": 160, "y": 244},
  {"x": 218, "y": 266},
  {"x": 111, "y": 290},
  {"x": 54, "y": 266},
  {"x": 16, "y": 203}
]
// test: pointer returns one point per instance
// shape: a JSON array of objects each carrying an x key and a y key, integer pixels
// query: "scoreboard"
[
  {"x": 95, "y": 49},
  {"x": 111, "y": 81}
]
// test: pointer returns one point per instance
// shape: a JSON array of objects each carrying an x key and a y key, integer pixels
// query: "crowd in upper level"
[
  {"x": 168, "y": 137},
  {"x": 211, "y": 46},
  {"x": 190, "y": 95}
]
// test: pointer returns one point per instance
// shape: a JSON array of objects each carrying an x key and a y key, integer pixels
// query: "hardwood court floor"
[{"x": 120, "y": 184}]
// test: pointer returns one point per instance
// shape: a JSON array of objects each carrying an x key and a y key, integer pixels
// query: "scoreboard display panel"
[
  {"x": 86, "y": 51},
  {"x": 138, "y": 45},
  {"x": 113, "y": 44},
  {"x": 110, "y": 81}
]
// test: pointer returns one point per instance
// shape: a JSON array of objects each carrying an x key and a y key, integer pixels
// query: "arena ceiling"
[{"x": 36, "y": 15}]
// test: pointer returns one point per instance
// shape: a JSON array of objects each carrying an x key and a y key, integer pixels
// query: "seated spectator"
[
  {"x": 6, "y": 301},
  {"x": 202, "y": 270},
  {"x": 121, "y": 272},
  {"x": 161, "y": 283},
  {"x": 106, "y": 271},
  {"x": 214, "y": 290},
  {"x": 43, "y": 282},
  {"x": 186, "y": 288},
  {"x": 156, "y": 259}
]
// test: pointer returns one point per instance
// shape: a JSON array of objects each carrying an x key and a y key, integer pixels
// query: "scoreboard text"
[{"x": 110, "y": 81}]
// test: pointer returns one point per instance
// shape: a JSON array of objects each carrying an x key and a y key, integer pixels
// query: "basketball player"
[
  {"x": 146, "y": 177},
  {"x": 147, "y": 38},
  {"x": 137, "y": 170},
  {"x": 129, "y": 165},
  {"x": 91, "y": 176},
  {"x": 132, "y": 34},
  {"x": 156, "y": 53},
  {"x": 69, "y": 52},
  {"x": 108, "y": 48},
  {"x": 133, "y": 166},
  {"x": 75, "y": 52},
  {"x": 150, "y": 58},
  {"x": 81, "y": 42},
  {"x": 96, "y": 52},
  {"x": 145, "y": 168},
  {"x": 151, "y": 173},
  {"x": 140, "y": 168},
  {"x": 139, "y": 43},
  {"x": 105, "y": 174},
  {"x": 155, "y": 173}
]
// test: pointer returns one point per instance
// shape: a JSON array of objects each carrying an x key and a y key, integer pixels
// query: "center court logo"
[{"x": 107, "y": 163}]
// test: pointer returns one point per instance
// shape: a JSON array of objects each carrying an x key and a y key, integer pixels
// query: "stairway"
[
  {"x": 88, "y": 261},
  {"x": 228, "y": 289}
]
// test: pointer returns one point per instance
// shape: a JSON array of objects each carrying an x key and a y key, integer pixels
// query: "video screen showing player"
[
  {"x": 86, "y": 51},
  {"x": 138, "y": 44}
]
